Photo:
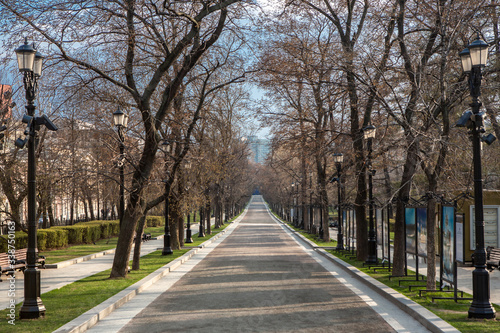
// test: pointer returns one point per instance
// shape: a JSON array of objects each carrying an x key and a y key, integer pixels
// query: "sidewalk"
[{"x": 464, "y": 273}]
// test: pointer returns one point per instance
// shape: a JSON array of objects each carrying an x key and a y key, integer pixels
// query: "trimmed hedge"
[
  {"x": 61, "y": 236},
  {"x": 154, "y": 221}
]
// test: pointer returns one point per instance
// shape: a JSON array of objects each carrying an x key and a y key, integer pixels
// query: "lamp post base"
[
  {"x": 481, "y": 307},
  {"x": 189, "y": 238},
  {"x": 166, "y": 251},
  {"x": 32, "y": 307},
  {"x": 372, "y": 252},
  {"x": 340, "y": 242}
]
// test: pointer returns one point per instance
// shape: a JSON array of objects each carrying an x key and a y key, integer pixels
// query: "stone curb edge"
[
  {"x": 428, "y": 319},
  {"x": 88, "y": 319}
]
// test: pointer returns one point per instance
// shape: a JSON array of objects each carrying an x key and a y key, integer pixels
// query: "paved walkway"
[{"x": 258, "y": 277}]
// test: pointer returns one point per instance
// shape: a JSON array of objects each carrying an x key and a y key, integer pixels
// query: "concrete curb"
[
  {"x": 92, "y": 316},
  {"x": 428, "y": 319}
]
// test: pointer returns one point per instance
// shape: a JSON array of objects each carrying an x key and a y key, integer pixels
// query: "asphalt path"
[{"x": 259, "y": 278}]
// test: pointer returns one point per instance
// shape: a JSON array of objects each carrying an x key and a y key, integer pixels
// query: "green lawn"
[{"x": 76, "y": 251}]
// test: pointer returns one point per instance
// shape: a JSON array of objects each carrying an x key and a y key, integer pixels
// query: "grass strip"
[
  {"x": 76, "y": 251},
  {"x": 72, "y": 300},
  {"x": 453, "y": 313}
]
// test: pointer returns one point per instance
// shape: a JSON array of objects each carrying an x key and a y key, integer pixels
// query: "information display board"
[
  {"x": 459, "y": 238},
  {"x": 410, "y": 230},
  {"x": 448, "y": 241},
  {"x": 422, "y": 231}
]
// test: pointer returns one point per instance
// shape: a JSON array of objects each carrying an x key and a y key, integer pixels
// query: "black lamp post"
[
  {"x": 473, "y": 58},
  {"x": 201, "y": 232},
  {"x": 30, "y": 64},
  {"x": 338, "y": 158},
  {"x": 369, "y": 133},
  {"x": 167, "y": 249},
  {"x": 120, "y": 119}
]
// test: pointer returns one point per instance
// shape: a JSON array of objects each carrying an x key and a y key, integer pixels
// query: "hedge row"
[
  {"x": 154, "y": 221},
  {"x": 55, "y": 237}
]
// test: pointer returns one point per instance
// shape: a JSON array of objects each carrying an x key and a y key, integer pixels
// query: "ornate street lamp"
[
  {"x": 338, "y": 158},
  {"x": 369, "y": 134},
  {"x": 120, "y": 119},
  {"x": 167, "y": 249},
  {"x": 30, "y": 64},
  {"x": 201, "y": 232},
  {"x": 473, "y": 59}
]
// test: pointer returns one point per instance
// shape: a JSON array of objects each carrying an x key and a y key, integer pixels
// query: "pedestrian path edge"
[
  {"x": 428, "y": 319},
  {"x": 100, "y": 311}
]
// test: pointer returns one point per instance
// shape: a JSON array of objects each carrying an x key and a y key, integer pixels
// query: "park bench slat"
[
  {"x": 8, "y": 265},
  {"x": 493, "y": 258}
]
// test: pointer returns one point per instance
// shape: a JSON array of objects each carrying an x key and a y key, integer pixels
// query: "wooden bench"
[
  {"x": 492, "y": 258},
  {"x": 21, "y": 257},
  {"x": 144, "y": 237},
  {"x": 7, "y": 265}
]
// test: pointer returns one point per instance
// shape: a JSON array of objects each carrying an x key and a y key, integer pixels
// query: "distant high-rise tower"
[{"x": 259, "y": 148}]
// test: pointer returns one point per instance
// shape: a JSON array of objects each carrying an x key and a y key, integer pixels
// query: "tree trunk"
[
  {"x": 175, "y": 224},
  {"x": 208, "y": 214},
  {"x": 409, "y": 170},
  {"x": 15, "y": 214},
  {"x": 50, "y": 212},
  {"x": 431, "y": 243},
  {"x": 138, "y": 243},
  {"x": 323, "y": 197},
  {"x": 124, "y": 244},
  {"x": 72, "y": 206},
  {"x": 361, "y": 199},
  {"x": 388, "y": 186},
  {"x": 85, "y": 209},
  {"x": 91, "y": 207}
]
